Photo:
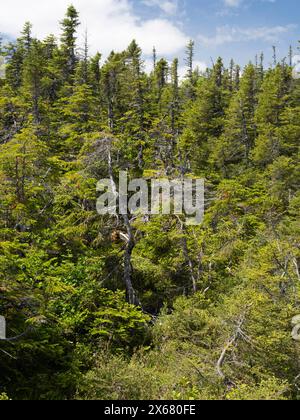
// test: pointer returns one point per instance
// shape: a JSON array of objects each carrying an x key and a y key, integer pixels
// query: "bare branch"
[{"x": 238, "y": 333}]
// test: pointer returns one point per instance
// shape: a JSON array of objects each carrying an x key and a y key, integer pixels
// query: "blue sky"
[{"x": 237, "y": 29}]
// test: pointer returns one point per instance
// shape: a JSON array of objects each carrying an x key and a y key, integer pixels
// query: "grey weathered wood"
[{"x": 2, "y": 328}]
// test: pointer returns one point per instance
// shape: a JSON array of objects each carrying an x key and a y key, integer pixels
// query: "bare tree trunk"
[
  {"x": 187, "y": 256},
  {"x": 222, "y": 358},
  {"x": 238, "y": 333},
  {"x": 131, "y": 293},
  {"x": 141, "y": 157},
  {"x": 295, "y": 262},
  {"x": 189, "y": 263}
]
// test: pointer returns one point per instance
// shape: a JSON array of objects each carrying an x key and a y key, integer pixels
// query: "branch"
[
  {"x": 236, "y": 335},
  {"x": 222, "y": 358},
  {"x": 295, "y": 262},
  {"x": 17, "y": 337}
]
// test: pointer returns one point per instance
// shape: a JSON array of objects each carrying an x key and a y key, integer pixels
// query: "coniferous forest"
[{"x": 139, "y": 308}]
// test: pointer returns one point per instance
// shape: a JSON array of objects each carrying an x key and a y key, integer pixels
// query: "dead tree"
[
  {"x": 237, "y": 334},
  {"x": 131, "y": 293},
  {"x": 186, "y": 255}
]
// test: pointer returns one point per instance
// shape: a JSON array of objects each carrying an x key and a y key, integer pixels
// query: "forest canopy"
[{"x": 104, "y": 307}]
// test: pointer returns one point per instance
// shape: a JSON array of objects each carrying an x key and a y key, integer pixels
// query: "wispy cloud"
[
  {"x": 233, "y": 3},
  {"x": 237, "y": 3},
  {"x": 228, "y": 34},
  {"x": 170, "y": 7}
]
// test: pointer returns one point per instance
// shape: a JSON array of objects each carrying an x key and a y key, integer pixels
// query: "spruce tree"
[
  {"x": 68, "y": 39},
  {"x": 136, "y": 101},
  {"x": 190, "y": 53},
  {"x": 33, "y": 72},
  {"x": 26, "y": 36},
  {"x": 240, "y": 130}
]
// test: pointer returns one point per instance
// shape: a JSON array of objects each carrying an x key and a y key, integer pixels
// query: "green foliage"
[
  {"x": 4, "y": 397},
  {"x": 102, "y": 307},
  {"x": 270, "y": 390}
]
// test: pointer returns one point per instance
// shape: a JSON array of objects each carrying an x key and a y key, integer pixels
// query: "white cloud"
[
  {"x": 237, "y": 3},
  {"x": 182, "y": 71},
  {"x": 228, "y": 34},
  {"x": 170, "y": 7},
  {"x": 233, "y": 3},
  {"x": 111, "y": 24}
]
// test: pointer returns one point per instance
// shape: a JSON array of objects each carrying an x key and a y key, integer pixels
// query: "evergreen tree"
[
  {"x": 135, "y": 116},
  {"x": 33, "y": 72},
  {"x": 190, "y": 52},
  {"x": 271, "y": 102},
  {"x": 204, "y": 118},
  {"x": 26, "y": 37},
  {"x": 68, "y": 38},
  {"x": 237, "y": 141}
]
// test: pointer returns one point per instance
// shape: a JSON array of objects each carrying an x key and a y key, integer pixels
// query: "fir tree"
[{"x": 68, "y": 38}]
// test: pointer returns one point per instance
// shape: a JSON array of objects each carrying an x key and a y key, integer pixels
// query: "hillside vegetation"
[{"x": 104, "y": 307}]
